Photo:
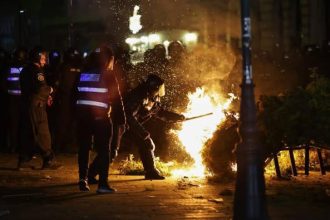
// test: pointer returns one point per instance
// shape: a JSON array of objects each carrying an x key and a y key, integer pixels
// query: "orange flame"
[{"x": 195, "y": 133}]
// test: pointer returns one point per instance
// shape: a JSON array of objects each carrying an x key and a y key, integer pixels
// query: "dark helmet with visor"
[
  {"x": 155, "y": 86},
  {"x": 36, "y": 53}
]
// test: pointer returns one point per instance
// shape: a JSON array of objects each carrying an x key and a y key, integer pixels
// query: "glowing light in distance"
[
  {"x": 190, "y": 38},
  {"x": 134, "y": 21},
  {"x": 154, "y": 38}
]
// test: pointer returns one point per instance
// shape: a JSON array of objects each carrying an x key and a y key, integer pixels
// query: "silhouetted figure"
[
  {"x": 13, "y": 87},
  {"x": 96, "y": 88},
  {"x": 141, "y": 104},
  {"x": 65, "y": 100},
  {"x": 35, "y": 94}
]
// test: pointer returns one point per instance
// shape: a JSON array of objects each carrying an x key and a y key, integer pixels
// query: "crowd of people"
[{"x": 53, "y": 102}]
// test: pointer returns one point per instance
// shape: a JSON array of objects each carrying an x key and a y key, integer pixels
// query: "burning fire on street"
[{"x": 195, "y": 133}]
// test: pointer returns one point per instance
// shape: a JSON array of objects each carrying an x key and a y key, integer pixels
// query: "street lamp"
[{"x": 249, "y": 202}]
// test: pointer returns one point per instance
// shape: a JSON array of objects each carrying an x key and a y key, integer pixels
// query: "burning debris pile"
[
  {"x": 195, "y": 133},
  {"x": 218, "y": 153}
]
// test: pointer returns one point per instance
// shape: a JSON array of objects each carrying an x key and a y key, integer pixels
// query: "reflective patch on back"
[
  {"x": 15, "y": 70},
  {"x": 89, "y": 77}
]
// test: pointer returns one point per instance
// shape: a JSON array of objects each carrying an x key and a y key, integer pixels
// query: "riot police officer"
[
  {"x": 96, "y": 88},
  {"x": 52, "y": 68},
  {"x": 141, "y": 104},
  {"x": 176, "y": 51},
  {"x": 4, "y": 62},
  {"x": 52, "y": 71},
  {"x": 13, "y": 87},
  {"x": 35, "y": 95},
  {"x": 69, "y": 72}
]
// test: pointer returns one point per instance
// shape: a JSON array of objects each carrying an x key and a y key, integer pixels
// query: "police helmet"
[
  {"x": 54, "y": 57},
  {"x": 160, "y": 51},
  {"x": 73, "y": 56},
  {"x": 101, "y": 56},
  {"x": 20, "y": 55},
  {"x": 4, "y": 56},
  {"x": 155, "y": 85},
  {"x": 175, "y": 48},
  {"x": 36, "y": 53}
]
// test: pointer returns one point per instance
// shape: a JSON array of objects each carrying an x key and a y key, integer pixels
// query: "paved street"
[{"x": 38, "y": 194}]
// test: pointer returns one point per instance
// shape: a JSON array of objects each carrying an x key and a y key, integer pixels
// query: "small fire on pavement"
[{"x": 195, "y": 133}]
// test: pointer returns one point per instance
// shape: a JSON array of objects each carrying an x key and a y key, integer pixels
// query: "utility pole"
[
  {"x": 70, "y": 24},
  {"x": 20, "y": 15},
  {"x": 249, "y": 202}
]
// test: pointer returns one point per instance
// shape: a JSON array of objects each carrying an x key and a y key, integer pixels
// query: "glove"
[
  {"x": 149, "y": 143},
  {"x": 126, "y": 127},
  {"x": 182, "y": 118},
  {"x": 145, "y": 135},
  {"x": 50, "y": 101}
]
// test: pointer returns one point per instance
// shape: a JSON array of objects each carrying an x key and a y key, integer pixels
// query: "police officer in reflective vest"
[
  {"x": 13, "y": 87},
  {"x": 96, "y": 87},
  {"x": 35, "y": 95}
]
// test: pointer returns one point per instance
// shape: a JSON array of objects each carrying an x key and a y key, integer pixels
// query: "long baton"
[{"x": 198, "y": 116}]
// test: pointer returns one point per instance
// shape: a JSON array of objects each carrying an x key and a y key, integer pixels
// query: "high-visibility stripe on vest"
[
  {"x": 92, "y": 103},
  {"x": 13, "y": 83},
  {"x": 91, "y": 91},
  {"x": 14, "y": 79},
  {"x": 14, "y": 92}
]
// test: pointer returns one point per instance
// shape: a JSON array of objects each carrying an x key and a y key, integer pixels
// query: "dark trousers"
[
  {"x": 64, "y": 126},
  {"x": 100, "y": 132},
  {"x": 146, "y": 150},
  {"x": 3, "y": 121},
  {"x": 13, "y": 122},
  {"x": 40, "y": 128},
  {"x": 118, "y": 132},
  {"x": 35, "y": 131}
]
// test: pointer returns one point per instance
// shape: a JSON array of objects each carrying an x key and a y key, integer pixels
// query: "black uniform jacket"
[
  {"x": 135, "y": 104},
  {"x": 33, "y": 84}
]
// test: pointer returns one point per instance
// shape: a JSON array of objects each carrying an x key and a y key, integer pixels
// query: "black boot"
[
  {"x": 24, "y": 163},
  {"x": 148, "y": 161},
  {"x": 83, "y": 185},
  {"x": 105, "y": 189},
  {"x": 49, "y": 163},
  {"x": 153, "y": 175},
  {"x": 92, "y": 180}
]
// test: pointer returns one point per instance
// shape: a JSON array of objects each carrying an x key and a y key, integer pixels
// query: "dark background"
[{"x": 278, "y": 26}]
